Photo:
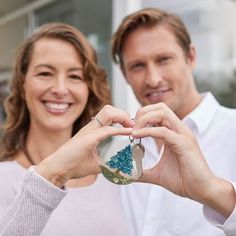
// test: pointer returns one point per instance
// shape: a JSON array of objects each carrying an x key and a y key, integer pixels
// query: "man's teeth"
[
  {"x": 156, "y": 93},
  {"x": 57, "y": 106}
]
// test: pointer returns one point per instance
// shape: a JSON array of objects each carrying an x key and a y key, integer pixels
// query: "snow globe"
[{"x": 121, "y": 159}]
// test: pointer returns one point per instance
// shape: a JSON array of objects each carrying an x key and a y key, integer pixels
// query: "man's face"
[{"x": 158, "y": 70}]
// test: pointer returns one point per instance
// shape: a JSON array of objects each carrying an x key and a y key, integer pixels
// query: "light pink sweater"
[{"x": 31, "y": 206}]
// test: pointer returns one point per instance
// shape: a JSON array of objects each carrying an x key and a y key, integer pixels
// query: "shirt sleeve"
[
  {"x": 228, "y": 225},
  {"x": 32, "y": 207}
]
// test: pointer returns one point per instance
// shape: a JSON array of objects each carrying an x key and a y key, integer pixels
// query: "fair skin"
[
  {"x": 158, "y": 70},
  {"x": 56, "y": 95},
  {"x": 83, "y": 158},
  {"x": 182, "y": 168}
]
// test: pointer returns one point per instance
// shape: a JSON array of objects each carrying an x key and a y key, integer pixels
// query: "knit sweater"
[{"x": 31, "y": 206}]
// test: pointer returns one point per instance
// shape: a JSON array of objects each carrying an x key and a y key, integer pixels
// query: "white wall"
[
  {"x": 212, "y": 29},
  {"x": 123, "y": 96}
]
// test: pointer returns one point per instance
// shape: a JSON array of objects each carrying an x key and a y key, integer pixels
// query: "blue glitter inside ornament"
[{"x": 122, "y": 161}]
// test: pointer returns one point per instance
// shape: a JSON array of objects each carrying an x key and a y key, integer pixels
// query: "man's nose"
[{"x": 153, "y": 75}]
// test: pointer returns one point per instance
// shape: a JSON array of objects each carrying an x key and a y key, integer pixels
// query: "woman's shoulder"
[
  {"x": 10, "y": 167},
  {"x": 11, "y": 174}
]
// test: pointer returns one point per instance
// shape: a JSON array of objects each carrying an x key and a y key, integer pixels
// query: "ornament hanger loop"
[{"x": 133, "y": 140}]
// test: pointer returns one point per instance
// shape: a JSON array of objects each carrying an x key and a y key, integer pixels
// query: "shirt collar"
[{"x": 200, "y": 118}]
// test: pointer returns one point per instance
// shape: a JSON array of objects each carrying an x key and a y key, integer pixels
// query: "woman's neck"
[{"x": 40, "y": 144}]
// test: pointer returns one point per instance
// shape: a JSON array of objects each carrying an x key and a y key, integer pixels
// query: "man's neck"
[{"x": 188, "y": 108}]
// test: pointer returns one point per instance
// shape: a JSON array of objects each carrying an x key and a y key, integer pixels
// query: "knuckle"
[
  {"x": 162, "y": 105},
  {"x": 139, "y": 112}
]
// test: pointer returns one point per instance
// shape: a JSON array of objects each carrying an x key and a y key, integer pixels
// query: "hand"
[
  {"x": 182, "y": 168},
  {"x": 78, "y": 157}
]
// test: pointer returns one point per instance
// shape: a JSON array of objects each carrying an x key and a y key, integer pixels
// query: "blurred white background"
[{"x": 210, "y": 23}]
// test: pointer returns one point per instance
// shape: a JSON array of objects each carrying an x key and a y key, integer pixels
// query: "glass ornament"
[{"x": 121, "y": 159}]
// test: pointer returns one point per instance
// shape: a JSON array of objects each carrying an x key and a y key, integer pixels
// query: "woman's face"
[{"x": 55, "y": 89}]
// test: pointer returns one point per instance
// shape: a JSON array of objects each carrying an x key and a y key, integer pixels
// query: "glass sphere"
[{"x": 121, "y": 159}]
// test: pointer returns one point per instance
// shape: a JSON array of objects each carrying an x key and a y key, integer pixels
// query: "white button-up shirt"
[
  {"x": 152, "y": 210},
  {"x": 228, "y": 225}
]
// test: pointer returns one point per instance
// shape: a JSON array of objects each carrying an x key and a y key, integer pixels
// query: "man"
[{"x": 157, "y": 58}]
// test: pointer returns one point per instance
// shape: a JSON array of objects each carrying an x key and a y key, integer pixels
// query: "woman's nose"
[{"x": 59, "y": 87}]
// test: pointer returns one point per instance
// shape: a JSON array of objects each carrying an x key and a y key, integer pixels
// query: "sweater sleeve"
[
  {"x": 228, "y": 225},
  {"x": 32, "y": 207}
]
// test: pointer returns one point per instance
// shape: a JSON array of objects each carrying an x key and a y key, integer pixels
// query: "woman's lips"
[{"x": 57, "y": 107}]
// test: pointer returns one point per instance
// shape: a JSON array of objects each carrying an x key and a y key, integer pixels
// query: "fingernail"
[{"x": 134, "y": 132}]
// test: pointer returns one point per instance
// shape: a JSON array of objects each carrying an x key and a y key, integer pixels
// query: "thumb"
[{"x": 150, "y": 176}]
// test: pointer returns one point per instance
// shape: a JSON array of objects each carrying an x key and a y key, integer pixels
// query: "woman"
[{"x": 56, "y": 88}]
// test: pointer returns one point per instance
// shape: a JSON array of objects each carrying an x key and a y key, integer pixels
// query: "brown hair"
[
  {"x": 148, "y": 17},
  {"x": 17, "y": 122}
]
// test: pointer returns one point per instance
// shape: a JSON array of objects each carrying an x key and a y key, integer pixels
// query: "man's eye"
[
  {"x": 164, "y": 59},
  {"x": 137, "y": 66}
]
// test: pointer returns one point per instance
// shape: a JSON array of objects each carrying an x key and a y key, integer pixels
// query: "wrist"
[
  {"x": 48, "y": 170},
  {"x": 221, "y": 197}
]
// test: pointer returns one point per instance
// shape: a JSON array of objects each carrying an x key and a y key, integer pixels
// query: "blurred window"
[{"x": 19, "y": 18}]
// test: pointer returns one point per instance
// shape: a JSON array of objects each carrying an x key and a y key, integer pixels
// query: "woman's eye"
[
  {"x": 76, "y": 77},
  {"x": 44, "y": 74}
]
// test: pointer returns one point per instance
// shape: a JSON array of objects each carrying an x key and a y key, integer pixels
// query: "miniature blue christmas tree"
[{"x": 122, "y": 161}]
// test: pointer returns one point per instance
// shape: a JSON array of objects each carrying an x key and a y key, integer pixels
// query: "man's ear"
[
  {"x": 191, "y": 58},
  {"x": 122, "y": 68}
]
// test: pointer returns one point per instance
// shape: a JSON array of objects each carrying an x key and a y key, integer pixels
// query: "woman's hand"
[
  {"x": 78, "y": 157},
  {"x": 182, "y": 168}
]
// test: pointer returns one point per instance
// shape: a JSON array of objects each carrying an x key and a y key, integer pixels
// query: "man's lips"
[{"x": 157, "y": 94}]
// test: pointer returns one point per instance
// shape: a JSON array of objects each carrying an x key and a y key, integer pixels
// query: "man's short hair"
[{"x": 145, "y": 18}]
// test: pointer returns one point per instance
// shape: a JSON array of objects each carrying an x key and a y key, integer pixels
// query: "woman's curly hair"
[{"x": 17, "y": 122}]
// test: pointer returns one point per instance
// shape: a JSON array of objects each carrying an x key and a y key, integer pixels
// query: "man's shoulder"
[
  {"x": 212, "y": 105},
  {"x": 227, "y": 112},
  {"x": 225, "y": 119}
]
